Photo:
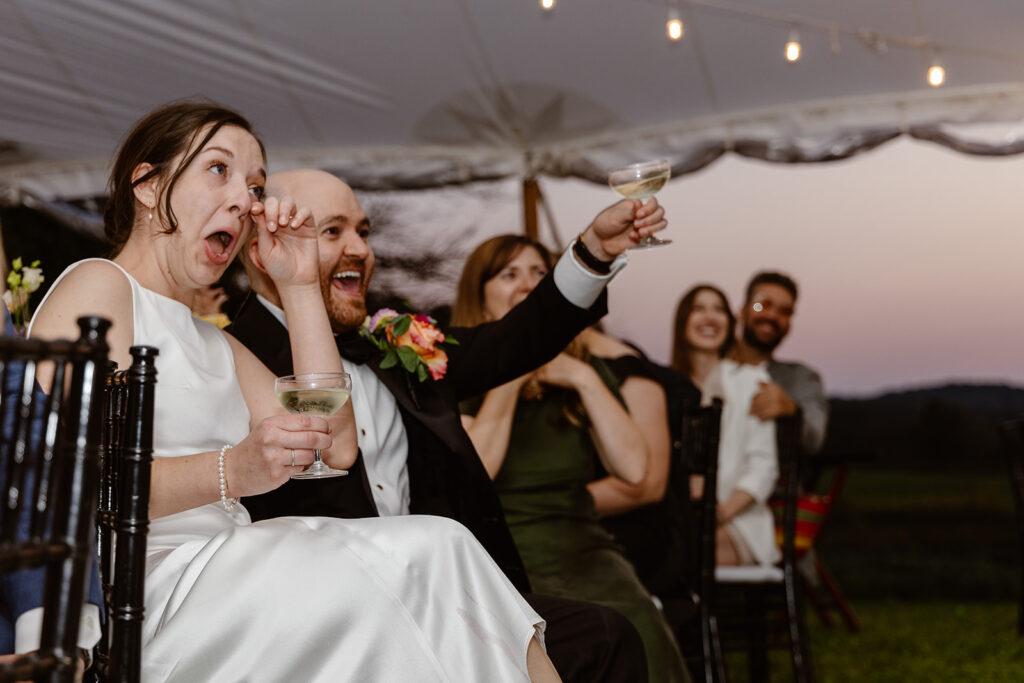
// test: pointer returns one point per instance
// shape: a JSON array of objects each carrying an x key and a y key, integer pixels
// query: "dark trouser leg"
[{"x": 589, "y": 643}]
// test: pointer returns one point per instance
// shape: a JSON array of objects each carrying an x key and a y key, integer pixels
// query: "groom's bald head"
[{"x": 346, "y": 259}]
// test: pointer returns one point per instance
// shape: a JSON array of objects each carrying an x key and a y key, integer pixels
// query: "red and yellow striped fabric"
[{"x": 810, "y": 513}]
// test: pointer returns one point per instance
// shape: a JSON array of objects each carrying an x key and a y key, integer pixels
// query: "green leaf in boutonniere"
[
  {"x": 410, "y": 359},
  {"x": 401, "y": 325},
  {"x": 390, "y": 359},
  {"x": 410, "y": 340}
]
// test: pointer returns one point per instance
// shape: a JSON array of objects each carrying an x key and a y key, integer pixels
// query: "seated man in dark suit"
[
  {"x": 21, "y": 592},
  {"x": 415, "y": 456}
]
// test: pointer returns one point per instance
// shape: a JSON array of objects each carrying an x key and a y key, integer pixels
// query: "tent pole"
[{"x": 531, "y": 193}]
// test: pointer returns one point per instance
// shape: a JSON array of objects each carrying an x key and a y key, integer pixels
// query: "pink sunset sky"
[{"x": 909, "y": 259}]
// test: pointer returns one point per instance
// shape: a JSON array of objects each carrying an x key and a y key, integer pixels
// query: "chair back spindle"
[
  {"x": 50, "y": 461},
  {"x": 767, "y": 600},
  {"x": 124, "y": 512},
  {"x": 700, "y": 436}
]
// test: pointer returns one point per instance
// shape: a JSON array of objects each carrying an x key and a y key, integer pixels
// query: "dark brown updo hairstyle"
[
  {"x": 680, "y": 346},
  {"x": 157, "y": 139},
  {"x": 484, "y": 263}
]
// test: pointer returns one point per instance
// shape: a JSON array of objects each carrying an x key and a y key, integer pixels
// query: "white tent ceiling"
[{"x": 413, "y": 93}]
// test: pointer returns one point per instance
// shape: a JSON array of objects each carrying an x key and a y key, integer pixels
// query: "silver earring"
[{"x": 150, "y": 215}]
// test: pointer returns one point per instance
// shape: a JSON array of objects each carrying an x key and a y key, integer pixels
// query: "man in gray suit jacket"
[{"x": 765, "y": 319}]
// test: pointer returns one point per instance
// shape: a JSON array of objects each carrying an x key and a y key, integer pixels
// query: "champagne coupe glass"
[
  {"x": 320, "y": 394},
  {"x": 641, "y": 181}
]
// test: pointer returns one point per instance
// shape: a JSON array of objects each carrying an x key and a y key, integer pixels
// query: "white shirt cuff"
[
  {"x": 29, "y": 626},
  {"x": 578, "y": 284}
]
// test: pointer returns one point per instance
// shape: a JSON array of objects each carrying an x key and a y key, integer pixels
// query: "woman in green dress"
[{"x": 539, "y": 437}]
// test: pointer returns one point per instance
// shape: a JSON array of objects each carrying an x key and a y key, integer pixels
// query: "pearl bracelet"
[{"x": 228, "y": 503}]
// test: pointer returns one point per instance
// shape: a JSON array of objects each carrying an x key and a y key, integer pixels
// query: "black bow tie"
[{"x": 354, "y": 348}]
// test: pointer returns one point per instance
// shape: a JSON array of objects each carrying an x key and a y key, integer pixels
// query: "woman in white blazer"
[{"x": 747, "y": 459}]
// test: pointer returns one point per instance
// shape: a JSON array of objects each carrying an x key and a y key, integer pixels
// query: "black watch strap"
[{"x": 588, "y": 259}]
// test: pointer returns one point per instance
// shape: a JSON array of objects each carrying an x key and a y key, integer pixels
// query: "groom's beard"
[
  {"x": 346, "y": 315},
  {"x": 344, "y": 311},
  {"x": 346, "y": 302},
  {"x": 762, "y": 345}
]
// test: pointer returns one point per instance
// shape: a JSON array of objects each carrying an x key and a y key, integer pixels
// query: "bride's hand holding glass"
[
  {"x": 317, "y": 393},
  {"x": 277, "y": 448}
]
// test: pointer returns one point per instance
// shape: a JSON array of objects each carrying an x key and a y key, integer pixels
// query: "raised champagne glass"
[
  {"x": 641, "y": 181},
  {"x": 316, "y": 393}
]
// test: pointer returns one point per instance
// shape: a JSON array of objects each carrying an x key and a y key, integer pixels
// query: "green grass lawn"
[
  {"x": 906, "y": 642},
  {"x": 930, "y": 561},
  {"x": 933, "y": 535}
]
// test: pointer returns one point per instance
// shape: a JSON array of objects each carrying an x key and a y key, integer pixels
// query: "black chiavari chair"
[
  {"x": 124, "y": 513},
  {"x": 50, "y": 454}
]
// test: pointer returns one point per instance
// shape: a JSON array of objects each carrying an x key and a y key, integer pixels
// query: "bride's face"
[{"x": 211, "y": 202}]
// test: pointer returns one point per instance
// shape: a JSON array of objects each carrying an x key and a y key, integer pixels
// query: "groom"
[{"x": 415, "y": 457}]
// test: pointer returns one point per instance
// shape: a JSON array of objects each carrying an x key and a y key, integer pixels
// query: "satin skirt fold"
[{"x": 314, "y": 599}]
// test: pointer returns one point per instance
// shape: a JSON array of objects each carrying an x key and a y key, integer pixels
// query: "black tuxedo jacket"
[{"x": 446, "y": 476}]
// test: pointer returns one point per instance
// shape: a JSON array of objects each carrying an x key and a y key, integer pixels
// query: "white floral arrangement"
[{"x": 21, "y": 282}]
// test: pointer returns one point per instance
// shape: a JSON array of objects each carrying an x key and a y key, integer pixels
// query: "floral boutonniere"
[
  {"x": 410, "y": 340},
  {"x": 21, "y": 282}
]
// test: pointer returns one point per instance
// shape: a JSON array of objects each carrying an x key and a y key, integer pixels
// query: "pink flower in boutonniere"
[
  {"x": 410, "y": 340},
  {"x": 385, "y": 314}
]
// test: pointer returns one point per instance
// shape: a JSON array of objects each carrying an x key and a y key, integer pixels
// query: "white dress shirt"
[
  {"x": 381, "y": 434},
  {"x": 382, "y": 437}
]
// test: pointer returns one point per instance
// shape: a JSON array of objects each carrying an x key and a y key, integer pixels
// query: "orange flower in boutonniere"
[{"x": 410, "y": 340}]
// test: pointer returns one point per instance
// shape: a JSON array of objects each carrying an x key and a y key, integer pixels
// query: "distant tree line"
[{"x": 952, "y": 426}]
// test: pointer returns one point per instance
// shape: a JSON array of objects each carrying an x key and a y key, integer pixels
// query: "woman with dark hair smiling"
[
  {"x": 747, "y": 464},
  {"x": 539, "y": 438},
  {"x": 293, "y": 598}
]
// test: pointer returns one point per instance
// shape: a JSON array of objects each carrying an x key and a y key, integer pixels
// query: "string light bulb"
[
  {"x": 547, "y": 5},
  {"x": 793, "y": 48},
  {"x": 674, "y": 25},
  {"x": 936, "y": 74}
]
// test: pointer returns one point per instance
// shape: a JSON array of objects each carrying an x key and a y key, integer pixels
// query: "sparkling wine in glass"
[
  {"x": 320, "y": 394},
  {"x": 641, "y": 181}
]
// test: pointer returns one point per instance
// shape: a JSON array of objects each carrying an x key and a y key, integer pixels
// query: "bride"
[{"x": 301, "y": 599}]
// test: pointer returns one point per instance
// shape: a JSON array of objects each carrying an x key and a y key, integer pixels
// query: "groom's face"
[{"x": 346, "y": 259}]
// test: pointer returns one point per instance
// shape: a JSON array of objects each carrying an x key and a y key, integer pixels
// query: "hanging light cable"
[
  {"x": 674, "y": 25},
  {"x": 793, "y": 48},
  {"x": 833, "y": 39}
]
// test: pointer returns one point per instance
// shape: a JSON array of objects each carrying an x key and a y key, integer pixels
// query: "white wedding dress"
[{"x": 398, "y": 599}]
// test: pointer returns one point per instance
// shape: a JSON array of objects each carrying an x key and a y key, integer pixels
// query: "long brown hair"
[
  {"x": 483, "y": 264},
  {"x": 681, "y": 348},
  {"x": 157, "y": 139}
]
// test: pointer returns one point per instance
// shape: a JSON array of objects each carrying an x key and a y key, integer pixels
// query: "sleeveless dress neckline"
[{"x": 302, "y": 599}]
